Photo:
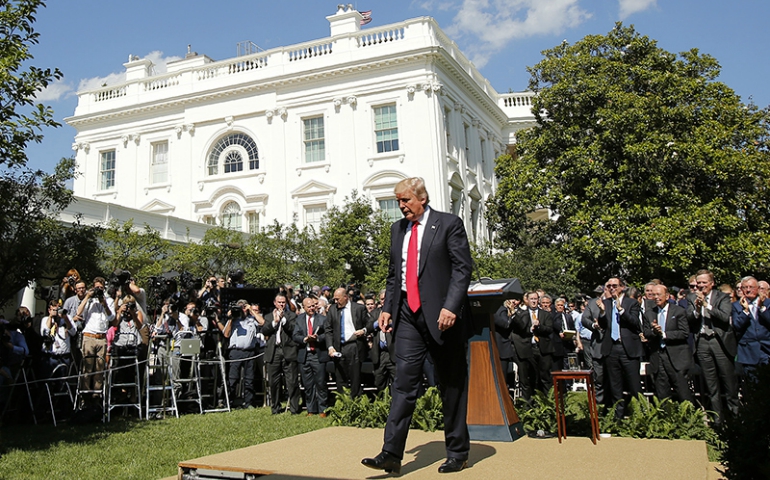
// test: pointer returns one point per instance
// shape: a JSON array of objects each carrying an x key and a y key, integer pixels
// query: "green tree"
[
  {"x": 21, "y": 118},
  {"x": 354, "y": 243},
  {"x": 218, "y": 253},
  {"x": 140, "y": 251},
  {"x": 649, "y": 166}
]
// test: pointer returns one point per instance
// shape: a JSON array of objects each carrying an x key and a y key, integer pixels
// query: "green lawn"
[{"x": 130, "y": 448}]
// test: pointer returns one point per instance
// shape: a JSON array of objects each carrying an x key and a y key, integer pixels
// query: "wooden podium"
[{"x": 491, "y": 415}]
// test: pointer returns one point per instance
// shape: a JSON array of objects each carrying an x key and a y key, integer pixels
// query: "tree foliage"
[
  {"x": 21, "y": 118},
  {"x": 649, "y": 166},
  {"x": 141, "y": 252}
]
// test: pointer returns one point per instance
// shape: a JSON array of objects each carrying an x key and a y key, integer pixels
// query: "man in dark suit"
[
  {"x": 590, "y": 320},
  {"x": 666, "y": 330},
  {"x": 708, "y": 312},
  {"x": 751, "y": 321},
  {"x": 345, "y": 331},
  {"x": 622, "y": 345},
  {"x": 381, "y": 354},
  {"x": 426, "y": 305},
  {"x": 281, "y": 354},
  {"x": 503, "y": 329},
  {"x": 532, "y": 328},
  {"x": 311, "y": 356}
]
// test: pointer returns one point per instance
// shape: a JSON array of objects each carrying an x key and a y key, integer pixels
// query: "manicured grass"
[{"x": 134, "y": 449}]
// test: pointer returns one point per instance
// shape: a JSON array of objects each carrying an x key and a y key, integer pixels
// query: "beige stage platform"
[{"x": 336, "y": 453}]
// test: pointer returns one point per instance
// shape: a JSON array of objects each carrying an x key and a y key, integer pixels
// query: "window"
[
  {"x": 447, "y": 129},
  {"x": 231, "y": 151},
  {"x": 315, "y": 145},
  {"x": 468, "y": 157},
  {"x": 159, "y": 168},
  {"x": 386, "y": 128},
  {"x": 233, "y": 162},
  {"x": 253, "y": 223},
  {"x": 209, "y": 220},
  {"x": 231, "y": 216},
  {"x": 390, "y": 209},
  {"x": 314, "y": 215},
  {"x": 107, "y": 169}
]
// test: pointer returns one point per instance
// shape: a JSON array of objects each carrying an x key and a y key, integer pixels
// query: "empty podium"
[{"x": 491, "y": 415}]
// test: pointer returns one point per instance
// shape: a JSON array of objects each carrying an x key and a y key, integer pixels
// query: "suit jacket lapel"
[{"x": 427, "y": 239}]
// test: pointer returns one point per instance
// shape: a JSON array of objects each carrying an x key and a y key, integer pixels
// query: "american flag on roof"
[{"x": 367, "y": 17}]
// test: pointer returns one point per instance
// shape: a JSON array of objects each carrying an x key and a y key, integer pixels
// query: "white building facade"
[{"x": 286, "y": 133}]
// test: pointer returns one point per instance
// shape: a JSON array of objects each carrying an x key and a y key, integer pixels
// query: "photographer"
[
  {"x": 68, "y": 283},
  {"x": 242, "y": 331},
  {"x": 57, "y": 330},
  {"x": 177, "y": 326},
  {"x": 126, "y": 341},
  {"x": 96, "y": 309},
  {"x": 210, "y": 290}
]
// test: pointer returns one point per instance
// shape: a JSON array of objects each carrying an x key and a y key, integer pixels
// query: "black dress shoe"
[
  {"x": 384, "y": 461},
  {"x": 452, "y": 465}
]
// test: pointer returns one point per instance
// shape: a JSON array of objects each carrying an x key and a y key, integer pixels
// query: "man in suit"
[
  {"x": 503, "y": 329},
  {"x": 666, "y": 330},
  {"x": 751, "y": 321},
  {"x": 562, "y": 321},
  {"x": 426, "y": 307},
  {"x": 532, "y": 328},
  {"x": 381, "y": 354},
  {"x": 622, "y": 346},
  {"x": 311, "y": 356},
  {"x": 345, "y": 331},
  {"x": 281, "y": 354},
  {"x": 590, "y": 321},
  {"x": 708, "y": 312}
]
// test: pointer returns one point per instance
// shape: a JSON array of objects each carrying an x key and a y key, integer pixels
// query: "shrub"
[{"x": 365, "y": 413}]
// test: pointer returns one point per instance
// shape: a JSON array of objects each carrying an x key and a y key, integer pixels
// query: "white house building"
[{"x": 286, "y": 133}]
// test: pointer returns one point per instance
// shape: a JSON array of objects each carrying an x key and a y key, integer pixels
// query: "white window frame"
[
  {"x": 230, "y": 219},
  {"x": 158, "y": 168},
  {"x": 314, "y": 139},
  {"x": 392, "y": 128},
  {"x": 107, "y": 176}
]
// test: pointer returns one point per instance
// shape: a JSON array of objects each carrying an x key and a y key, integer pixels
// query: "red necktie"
[
  {"x": 412, "y": 287},
  {"x": 310, "y": 331}
]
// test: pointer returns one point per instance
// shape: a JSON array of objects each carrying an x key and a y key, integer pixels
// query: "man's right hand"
[
  {"x": 384, "y": 322},
  {"x": 600, "y": 304}
]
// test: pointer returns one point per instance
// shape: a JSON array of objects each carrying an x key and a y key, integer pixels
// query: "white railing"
[
  {"x": 309, "y": 51},
  {"x": 109, "y": 94},
  {"x": 523, "y": 99},
  {"x": 375, "y": 37},
  {"x": 158, "y": 83},
  {"x": 231, "y": 67}
]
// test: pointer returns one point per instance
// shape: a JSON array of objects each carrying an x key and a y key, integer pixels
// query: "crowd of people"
[
  {"x": 699, "y": 340},
  {"x": 301, "y": 338}
]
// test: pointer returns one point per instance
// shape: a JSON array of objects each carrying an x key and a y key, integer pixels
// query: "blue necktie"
[
  {"x": 342, "y": 325},
  {"x": 615, "y": 322},
  {"x": 662, "y": 323}
]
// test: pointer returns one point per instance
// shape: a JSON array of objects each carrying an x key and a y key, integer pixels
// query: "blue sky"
[{"x": 89, "y": 40}]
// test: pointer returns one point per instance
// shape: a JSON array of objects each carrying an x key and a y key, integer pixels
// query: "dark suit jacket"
[
  {"x": 677, "y": 331},
  {"x": 591, "y": 314},
  {"x": 300, "y": 332},
  {"x": 522, "y": 333},
  {"x": 753, "y": 334},
  {"x": 332, "y": 327},
  {"x": 721, "y": 308},
  {"x": 444, "y": 272},
  {"x": 558, "y": 327},
  {"x": 503, "y": 329},
  {"x": 630, "y": 327},
  {"x": 374, "y": 353},
  {"x": 287, "y": 340}
]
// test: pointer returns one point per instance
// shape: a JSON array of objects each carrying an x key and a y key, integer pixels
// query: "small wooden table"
[{"x": 559, "y": 377}]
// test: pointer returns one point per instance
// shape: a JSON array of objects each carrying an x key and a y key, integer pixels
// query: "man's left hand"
[{"x": 446, "y": 319}]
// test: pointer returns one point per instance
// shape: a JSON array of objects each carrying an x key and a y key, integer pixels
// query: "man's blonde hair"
[{"x": 416, "y": 185}]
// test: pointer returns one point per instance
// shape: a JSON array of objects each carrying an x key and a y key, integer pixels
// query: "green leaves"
[{"x": 649, "y": 166}]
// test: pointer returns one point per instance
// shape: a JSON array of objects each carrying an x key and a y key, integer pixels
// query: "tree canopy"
[{"x": 649, "y": 166}]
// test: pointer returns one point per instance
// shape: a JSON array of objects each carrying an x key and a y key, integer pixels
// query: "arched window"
[
  {"x": 231, "y": 216},
  {"x": 231, "y": 150}
]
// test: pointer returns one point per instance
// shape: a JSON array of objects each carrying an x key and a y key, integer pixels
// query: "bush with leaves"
[{"x": 362, "y": 412}]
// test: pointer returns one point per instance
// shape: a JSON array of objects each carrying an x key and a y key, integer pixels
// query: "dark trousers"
[
  {"x": 385, "y": 371},
  {"x": 347, "y": 369},
  {"x": 620, "y": 370},
  {"x": 277, "y": 368},
  {"x": 668, "y": 377},
  {"x": 413, "y": 342},
  {"x": 237, "y": 362},
  {"x": 314, "y": 380},
  {"x": 718, "y": 373}
]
